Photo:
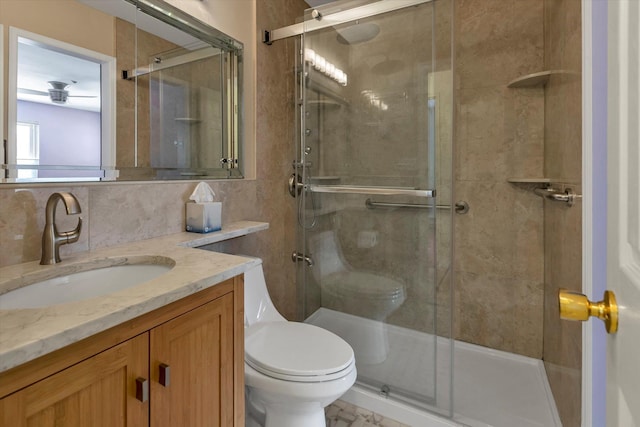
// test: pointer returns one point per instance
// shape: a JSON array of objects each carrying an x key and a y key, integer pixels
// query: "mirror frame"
[{"x": 231, "y": 117}]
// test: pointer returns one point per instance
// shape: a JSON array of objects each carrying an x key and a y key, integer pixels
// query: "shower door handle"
[
  {"x": 576, "y": 306},
  {"x": 382, "y": 191}
]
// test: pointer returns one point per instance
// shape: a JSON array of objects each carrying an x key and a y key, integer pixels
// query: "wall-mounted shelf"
[
  {"x": 531, "y": 80},
  {"x": 529, "y": 180},
  {"x": 538, "y": 79},
  {"x": 187, "y": 120},
  {"x": 229, "y": 231}
]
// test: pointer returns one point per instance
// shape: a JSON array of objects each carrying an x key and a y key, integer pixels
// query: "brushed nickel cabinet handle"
[
  {"x": 142, "y": 389},
  {"x": 165, "y": 374}
]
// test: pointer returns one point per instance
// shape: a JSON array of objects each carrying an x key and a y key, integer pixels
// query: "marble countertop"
[{"x": 26, "y": 334}]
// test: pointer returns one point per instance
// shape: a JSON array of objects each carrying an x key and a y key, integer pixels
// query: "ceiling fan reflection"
[{"x": 57, "y": 93}]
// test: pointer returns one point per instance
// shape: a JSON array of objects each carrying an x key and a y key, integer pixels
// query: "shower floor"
[{"x": 491, "y": 388}]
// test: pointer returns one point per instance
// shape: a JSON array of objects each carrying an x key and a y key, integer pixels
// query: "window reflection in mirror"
[{"x": 58, "y": 106}]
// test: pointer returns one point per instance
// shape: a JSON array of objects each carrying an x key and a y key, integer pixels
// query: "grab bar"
[
  {"x": 383, "y": 191},
  {"x": 550, "y": 193},
  {"x": 460, "y": 207}
]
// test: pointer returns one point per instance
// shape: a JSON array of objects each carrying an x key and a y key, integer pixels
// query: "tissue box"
[{"x": 204, "y": 217}]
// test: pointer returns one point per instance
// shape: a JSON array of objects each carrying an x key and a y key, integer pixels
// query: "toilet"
[
  {"x": 292, "y": 370},
  {"x": 361, "y": 294}
]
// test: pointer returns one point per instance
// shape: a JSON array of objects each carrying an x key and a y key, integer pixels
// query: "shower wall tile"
[
  {"x": 500, "y": 133},
  {"x": 497, "y": 41},
  {"x": 501, "y": 312},
  {"x": 563, "y": 144},
  {"x": 499, "y": 262},
  {"x": 502, "y": 234},
  {"x": 563, "y": 224},
  {"x": 499, "y": 246}
]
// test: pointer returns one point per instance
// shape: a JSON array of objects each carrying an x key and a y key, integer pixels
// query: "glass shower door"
[{"x": 374, "y": 148}]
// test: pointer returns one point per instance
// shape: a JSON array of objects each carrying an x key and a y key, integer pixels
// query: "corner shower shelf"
[
  {"x": 190, "y": 120},
  {"x": 531, "y": 80},
  {"x": 529, "y": 180},
  {"x": 538, "y": 79},
  {"x": 530, "y": 184}
]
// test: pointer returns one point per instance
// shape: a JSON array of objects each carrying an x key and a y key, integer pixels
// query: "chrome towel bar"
[
  {"x": 383, "y": 191},
  {"x": 460, "y": 207}
]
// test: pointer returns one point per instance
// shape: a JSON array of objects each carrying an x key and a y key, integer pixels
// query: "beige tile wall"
[
  {"x": 563, "y": 239},
  {"x": 498, "y": 257},
  {"x": 125, "y": 212}
]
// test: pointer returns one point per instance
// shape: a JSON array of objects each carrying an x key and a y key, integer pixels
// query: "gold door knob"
[{"x": 576, "y": 306}]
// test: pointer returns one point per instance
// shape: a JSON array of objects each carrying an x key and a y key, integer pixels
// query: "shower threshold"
[{"x": 491, "y": 388}]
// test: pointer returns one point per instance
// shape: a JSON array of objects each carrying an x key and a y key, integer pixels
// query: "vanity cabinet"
[
  {"x": 101, "y": 389},
  {"x": 191, "y": 381},
  {"x": 180, "y": 365}
]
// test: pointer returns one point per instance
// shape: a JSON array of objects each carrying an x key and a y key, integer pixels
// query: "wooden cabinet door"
[
  {"x": 197, "y": 350},
  {"x": 97, "y": 392}
]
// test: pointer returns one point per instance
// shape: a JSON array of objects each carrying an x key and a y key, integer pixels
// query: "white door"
[{"x": 623, "y": 214}]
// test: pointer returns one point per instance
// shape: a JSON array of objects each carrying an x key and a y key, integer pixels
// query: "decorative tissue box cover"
[{"x": 204, "y": 217}]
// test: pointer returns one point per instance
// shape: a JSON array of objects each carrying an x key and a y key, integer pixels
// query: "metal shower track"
[{"x": 337, "y": 18}]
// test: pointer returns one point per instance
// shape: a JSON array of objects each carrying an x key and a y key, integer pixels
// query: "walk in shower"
[
  {"x": 379, "y": 201},
  {"x": 373, "y": 170}
]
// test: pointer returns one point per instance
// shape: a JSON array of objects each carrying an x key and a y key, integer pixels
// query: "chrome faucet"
[
  {"x": 297, "y": 256},
  {"x": 52, "y": 239}
]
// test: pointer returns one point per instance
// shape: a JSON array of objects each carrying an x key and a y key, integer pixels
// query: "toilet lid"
[
  {"x": 362, "y": 284},
  {"x": 295, "y": 351}
]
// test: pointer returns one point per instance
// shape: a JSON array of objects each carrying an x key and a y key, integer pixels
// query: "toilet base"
[
  {"x": 311, "y": 415},
  {"x": 275, "y": 403},
  {"x": 307, "y": 415}
]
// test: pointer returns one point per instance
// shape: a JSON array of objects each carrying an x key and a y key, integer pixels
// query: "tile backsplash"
[{"x": 112, "y": 214}]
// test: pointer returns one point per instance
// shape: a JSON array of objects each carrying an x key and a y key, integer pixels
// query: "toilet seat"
[
  {"x": 299, "y": 352},
  {"x": 360, "y": 284}
]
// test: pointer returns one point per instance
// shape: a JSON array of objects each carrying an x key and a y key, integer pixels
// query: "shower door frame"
[{"x": 306, "y": 189}]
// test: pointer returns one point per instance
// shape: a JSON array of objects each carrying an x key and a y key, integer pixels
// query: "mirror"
[{"x": 120, "y": 89}]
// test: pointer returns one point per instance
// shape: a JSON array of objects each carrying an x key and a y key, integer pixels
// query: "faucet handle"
[{"x": 72, "y": 236}]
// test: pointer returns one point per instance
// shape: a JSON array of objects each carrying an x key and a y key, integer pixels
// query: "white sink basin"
[{"x": 83, "y": 281}]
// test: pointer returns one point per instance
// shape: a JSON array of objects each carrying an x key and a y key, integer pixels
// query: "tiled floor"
[{"x": 343, "y": 414}]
